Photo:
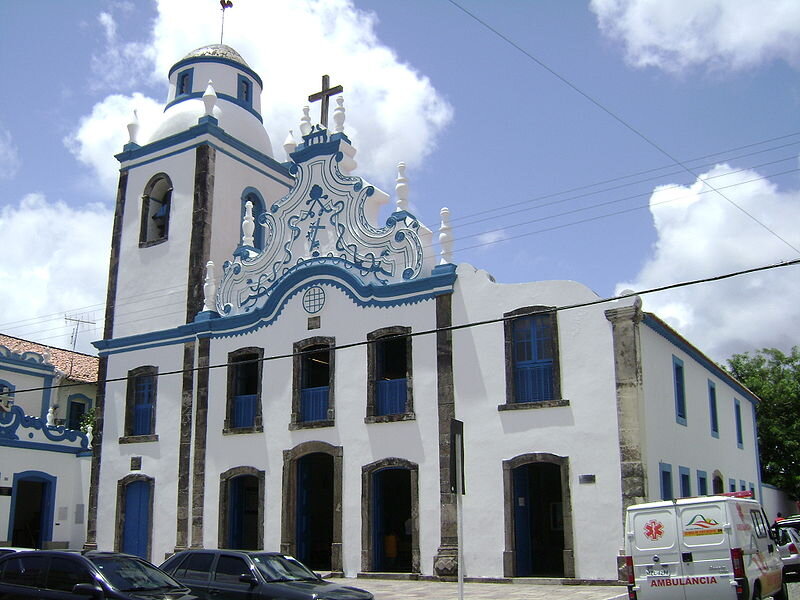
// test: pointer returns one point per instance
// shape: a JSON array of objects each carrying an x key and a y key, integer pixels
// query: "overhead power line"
[
  {"x": 620, "y": 120},
  {"x": 672, "y": 286}
]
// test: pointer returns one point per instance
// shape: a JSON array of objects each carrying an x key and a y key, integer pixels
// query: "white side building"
[
  {"x": 45, "y": 458},
  {"x": 285, "y": 361}
]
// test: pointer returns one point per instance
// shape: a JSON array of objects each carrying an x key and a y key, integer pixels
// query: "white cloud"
[
  {"x": 713, "y": 34},
  {"x": 492, "y": 237},
  {"x": 700, "y": 234},
  {"x": 9, "y": 157},
  {"x": 103, "y": 133},
  {"x": 72, "y": 273},
  {"x": 120, "y": 65},
  {"x": 393, "y": 112}
]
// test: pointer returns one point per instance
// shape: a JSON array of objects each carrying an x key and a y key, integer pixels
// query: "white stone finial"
[
  {"x": 290, "y": 145},
  {"x": 338, "y": 115},
  {"x": 248, "y": 225},
  {"x": 51, "y": 416},
  {"x": 210, "y": 288},
  {"x": 210, "y": 99},
  {"x": 305, "y": 122},
  {"x": 401, "y": 189},
  {"x": 133, "y": 128},
  {"x": 445, "y": 238},
  {"x": 89, "y": 434}
]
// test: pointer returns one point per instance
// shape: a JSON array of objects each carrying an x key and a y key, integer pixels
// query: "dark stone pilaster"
[
  {"x": 630, "y": 397},
  {"x": 445, "y": 563},
  {"x": 184, "y": 449},
  {"x": 108, "y": 332},
  {"x": 200, "y": 240},
  {"x": 200, "y": 436}
]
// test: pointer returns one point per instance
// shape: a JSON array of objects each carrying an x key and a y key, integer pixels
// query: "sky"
[{"x": 624, "y": 144}]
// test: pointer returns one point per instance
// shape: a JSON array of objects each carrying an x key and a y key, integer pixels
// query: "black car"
[
  {"x": 61, "y": 575},
  {"x": 235, "y": 574}
]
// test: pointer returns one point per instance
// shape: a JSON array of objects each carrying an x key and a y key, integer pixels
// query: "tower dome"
[{"x": 238, "y": 89}]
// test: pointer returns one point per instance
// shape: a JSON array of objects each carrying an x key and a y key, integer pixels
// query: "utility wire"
[
  {"x": 556, "y": 309},
  {"x": 619, "y": 119}
]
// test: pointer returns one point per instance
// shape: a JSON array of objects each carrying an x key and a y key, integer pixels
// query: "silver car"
[{"x": 789, "y": 548}]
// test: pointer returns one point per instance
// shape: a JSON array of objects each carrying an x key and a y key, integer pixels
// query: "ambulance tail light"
[
  {"x": 737, "y": 557},
  {"x": 792, "y": 549}
]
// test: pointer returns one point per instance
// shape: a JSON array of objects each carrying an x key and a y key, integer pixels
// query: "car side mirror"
[
  {"x": 248, "y": 579},
  {"x": 88, "y": 589}
]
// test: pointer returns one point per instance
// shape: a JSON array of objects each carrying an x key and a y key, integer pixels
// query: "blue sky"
[{"x": 519, "y": 156}]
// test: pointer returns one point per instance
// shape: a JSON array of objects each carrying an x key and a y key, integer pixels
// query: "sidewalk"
[{"x": 386, "y": 589}]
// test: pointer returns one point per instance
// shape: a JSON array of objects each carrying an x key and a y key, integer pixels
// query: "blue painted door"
[
  {"x": 378, "y": 529},
  {"x": 136, "y": 527}
]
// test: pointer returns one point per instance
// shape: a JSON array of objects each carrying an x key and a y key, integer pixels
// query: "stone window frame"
[
  {"x": 374, "y": 339},
  {"x": 257, "y": 425},
  {"x": 508, "y": 331},
  {"x": 224, "y": 499},
  {"x": 159, "y": 184},
  {"x": 297, "y": 377},
  {"x": 289, "y": 506},
  {"x": 120, "y": 520},
  {"x": 367, "y": 472},
  {"x": 128, "y": 437},
  {"x": 509, "y": 554}
]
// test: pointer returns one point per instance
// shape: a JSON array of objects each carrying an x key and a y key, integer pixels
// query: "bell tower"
[{"x": 182, "y": 193}]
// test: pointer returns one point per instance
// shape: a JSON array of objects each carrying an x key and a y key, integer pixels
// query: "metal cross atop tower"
[{"x": 325, "y": 95}]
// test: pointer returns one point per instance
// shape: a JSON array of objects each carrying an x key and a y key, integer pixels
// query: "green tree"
[{"x": 775, "y": 378}]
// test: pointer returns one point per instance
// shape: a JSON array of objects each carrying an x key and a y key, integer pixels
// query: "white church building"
[{"x": 286, "y": 354}]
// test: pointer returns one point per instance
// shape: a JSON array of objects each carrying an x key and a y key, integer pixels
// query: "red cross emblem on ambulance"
[{"x": 653, "y": 529}]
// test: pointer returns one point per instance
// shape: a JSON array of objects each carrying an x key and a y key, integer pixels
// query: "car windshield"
[
  {"x": 276, "y": 567},
  {"x": 129, "y": 574}
]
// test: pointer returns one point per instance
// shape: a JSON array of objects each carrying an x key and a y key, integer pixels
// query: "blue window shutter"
[
  {"x": 532, "y": 341},
  {"x": 712, "y": 409},
  {"x": 144, "y": 391},
  {"x": 665, "y": 471}
]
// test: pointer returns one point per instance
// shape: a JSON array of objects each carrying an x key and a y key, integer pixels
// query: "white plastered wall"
[{"x": 585, "y": 431}]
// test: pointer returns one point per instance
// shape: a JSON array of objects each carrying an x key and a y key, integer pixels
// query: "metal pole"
[{"x": 459, "y": 517}]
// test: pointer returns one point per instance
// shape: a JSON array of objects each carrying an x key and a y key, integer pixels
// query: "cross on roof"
[{"x": 325, "y": 95}]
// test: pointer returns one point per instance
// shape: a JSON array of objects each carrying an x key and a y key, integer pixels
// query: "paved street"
[{"x": 434, "y": 590}]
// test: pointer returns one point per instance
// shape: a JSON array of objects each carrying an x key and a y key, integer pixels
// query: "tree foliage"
[{"x": 775, "y": 378}]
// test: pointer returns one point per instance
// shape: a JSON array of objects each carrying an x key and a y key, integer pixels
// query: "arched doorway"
[
  {"x": 390, "y": 516},
  {"x": 538, "y": 517},
  {"x": 32, "y": 505},
  {"x": 241, "y": 513},
  {"x": 717, "y": 483},
  {"x": 135, "y": 507},
  {"x": 312, "y": 509}
]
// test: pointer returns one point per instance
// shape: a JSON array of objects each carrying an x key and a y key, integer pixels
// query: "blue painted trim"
[
  {"x": 737, "y": 416},
  {"x": 665, "y": 468},
  {"x": 48, "y": 502},
  {"x": 665, "y": 331},
  {"x": 10, "y": 386},
  {"x": 220, "y": 96},
  {"x": 199, "y": 130},
  {"x": 731, "y": 485},
  {"x": 713, "y": 409},
  {"x": 321, "y": 271},
  {"x": 216, "y": 59},
  {"x": 189, "y": 75},
  {"x": 244, "y": 90},
  {"x": 45, "y": 447},
  {"x": 679, "y": 389},
  {"x": 702, "y": 483},
  {"x": 16, "y": 365},
  {"x": 685, "y": 471},
  {"x": 12, "y": 421}
]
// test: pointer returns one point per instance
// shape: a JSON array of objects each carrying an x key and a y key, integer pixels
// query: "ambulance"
[{"x": 707, "y": 548}]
